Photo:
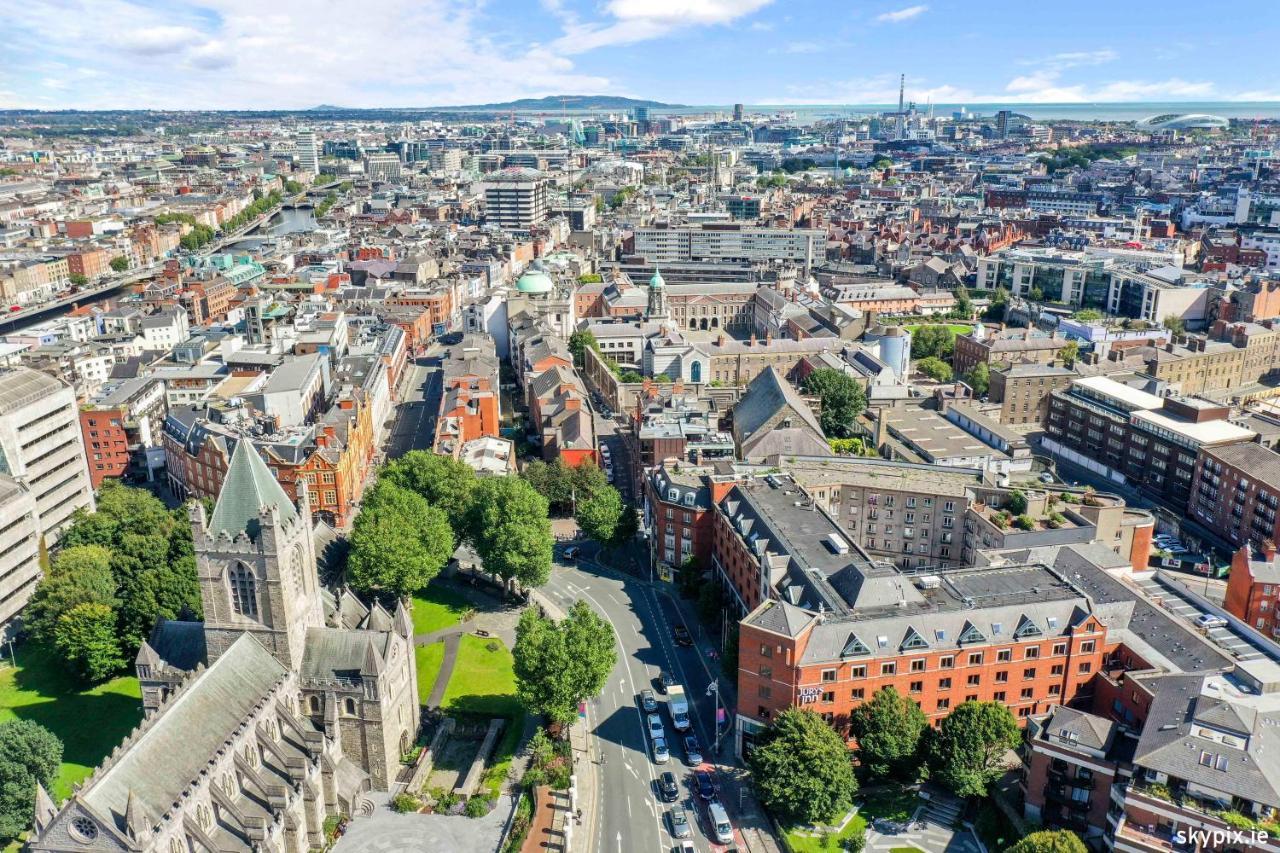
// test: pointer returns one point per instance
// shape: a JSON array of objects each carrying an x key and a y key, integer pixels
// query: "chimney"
[
  {"x": 1269, "y": 550},
  {"x": 768, "y": 338},
  {"x": 752, "y": 342}
]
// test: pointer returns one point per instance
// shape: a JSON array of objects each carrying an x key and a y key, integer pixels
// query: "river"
[{"x": 294, "y": 220}]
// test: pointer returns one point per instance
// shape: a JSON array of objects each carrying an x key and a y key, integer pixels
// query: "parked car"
[
  {"x": 648, "y": 701},
  {"x": 685, "y": 846},
  {"x": 1209, "y": 620},
  {"x": 692, "y": 750},
  {"x": 680, "y": 634},
  {"x": 721, "y": 829},
  {"x": 571, "y": 553},
  {"x": 705, "y": 784},
  {"x": 655, "y": 726},
  {"x": 680, "y": 827},
  {"x": 661, "y": 755},
  {"x": 665, "y": 680},
  {"x": 667, "y": 787},
  {"x": 1046, "y": 477}
]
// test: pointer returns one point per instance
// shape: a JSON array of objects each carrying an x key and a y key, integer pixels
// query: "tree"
[
  {"x": 964, "y": 305},
  {"x": 29, "y": 754},
  {"x": 1016, "y": 503},
  {"x": 929, "y": 341},
  {"x": 80, "y": 574},
  {"x": 579, "y": 343},
  {"x": 85, "y": 637},
  {"x": 1050, "y": 841},
  {"x": 1069, "y": 353},
  {"x": 598, "y": 515},
  {"x": 443, "y": 481},
  {"x": 119, "y": 263},
  {"x": 1174, "y": 324},
  {"x": 1087, "y": 315},
  {"x": 888, "y": 729},
  {"x": 1035, "y": 294},
  {"x": 935, "y": 368},
  {"x": 78, "y": 279},
  {"x": 399, "y": 542},
  {"x": 996, "y": 308},
  {"x": 510, "y": 530},
  {"x": 559, "y": 664},
  {"x": 843, "y": 399},
  {"x": 967, "y": 753},
  {"x": 979, "y": 378},
  {"x": 802, "y": 769}
]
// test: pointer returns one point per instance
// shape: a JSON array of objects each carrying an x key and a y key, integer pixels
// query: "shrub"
[
  {"x": 1025, "y": 522},
  {"x": 1016, "y": 503},
  {"x": 405, "y": 803},
  {"x": 1056, "y": 520},
  {"x": 855, "y": 840},
  {"x": 478, "y": 806}
]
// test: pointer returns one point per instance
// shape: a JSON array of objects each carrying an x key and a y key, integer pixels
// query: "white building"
[
  {"x": 515, "y": 199},
  {"x": 308, "y": 152},
  {"x": 382, "y": 167},
  {"x": 729, "y": 242},
  {"x": 41, "y": 446},
  {"x": 1266, "y": 241},
  {"x": 19, "y": 550}
]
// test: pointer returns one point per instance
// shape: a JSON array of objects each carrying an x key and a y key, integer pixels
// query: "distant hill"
[
  {"x": 326, "y": 108},
  {"x": 556, "y": 102}
]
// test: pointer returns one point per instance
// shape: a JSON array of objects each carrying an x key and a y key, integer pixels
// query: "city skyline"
[{"x": 231, "y": 54}]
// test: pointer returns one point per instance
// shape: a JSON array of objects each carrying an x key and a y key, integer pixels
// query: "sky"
[{"x": 295, "y": 54}]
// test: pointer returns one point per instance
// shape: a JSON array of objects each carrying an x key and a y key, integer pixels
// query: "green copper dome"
[
  {"x": 656, "y": 281},
  {"x": 535, "y": 280}
]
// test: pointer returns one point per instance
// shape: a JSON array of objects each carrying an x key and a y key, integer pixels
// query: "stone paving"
[{"x": 388, "y": 832}]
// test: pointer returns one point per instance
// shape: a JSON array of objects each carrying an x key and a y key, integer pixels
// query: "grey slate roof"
[
  {"x": 179, "y": 644},
  {"x": 247, "y": 487},
  {"x": 767, "y": 394},
  {"x": 179, "y": 738},
  {"x": 335, "y": 653}
]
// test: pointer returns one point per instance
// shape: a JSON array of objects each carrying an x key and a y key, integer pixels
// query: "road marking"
[{"x": 628, "y": 807}]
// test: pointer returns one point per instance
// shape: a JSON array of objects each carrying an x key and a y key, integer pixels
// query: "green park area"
[
  {"x": 957, "y": 328},
  {"x": 437, "y": 607},
  {"x": 90, "y": 721},
  {"x": 807, "y": 841}
]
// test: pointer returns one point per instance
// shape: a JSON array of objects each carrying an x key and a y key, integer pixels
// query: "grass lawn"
[
  {"x": 904, "y": 850},
  {"x": 483, "y": 684},
  {"x": 801, "y": 842},
  {"x": 958, "y": 328},
  {"x": 894, "y": 804},
  {"x": 429, "y": 660},
  {"x": 437, "y": 607},
  {"x": 90, "y": 722}
]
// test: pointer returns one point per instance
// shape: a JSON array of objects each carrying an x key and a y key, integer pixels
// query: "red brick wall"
[{"x": 106, "y": 446}]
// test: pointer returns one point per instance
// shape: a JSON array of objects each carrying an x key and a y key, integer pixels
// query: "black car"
[
  {"x": 668, "y": 790},
  {"x": 665, "y": 680},
  {"x": 703, "y": 782},
  {"x": 680, "y": 634}
]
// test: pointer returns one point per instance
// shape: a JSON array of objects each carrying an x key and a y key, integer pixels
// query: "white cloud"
[
  {"x": 635, "y": 21},
  {"x": 802, "y": 47},
  {"x": 900, "y": 15}
]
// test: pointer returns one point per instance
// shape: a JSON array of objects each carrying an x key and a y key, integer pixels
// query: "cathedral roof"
[{"x": 248, "y": 487}]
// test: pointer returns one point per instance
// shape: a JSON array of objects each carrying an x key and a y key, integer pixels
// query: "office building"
[
  {"x": 41, "y": 446},
  {"x": 729, "y": 241},
  {"x": 382, "y": 167},
  {"x": 308, "y": 153},
  {"x": 516, "y": 199},
  {"x": 1022, "y": 390},
  {"x": 19, "y": 551}
]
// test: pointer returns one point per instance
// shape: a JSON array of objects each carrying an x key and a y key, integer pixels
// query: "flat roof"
[
  {"x": 1205, "y": 432},
  {"x": 1132, "y": 397},
  {"x": 934, "y": 435}
]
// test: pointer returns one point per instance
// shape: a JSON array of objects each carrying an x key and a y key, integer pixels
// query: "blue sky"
[{"x": 297, "y": 53}]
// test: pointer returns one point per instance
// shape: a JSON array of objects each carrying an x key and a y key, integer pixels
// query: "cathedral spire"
[{"x": 248, "y": 488}]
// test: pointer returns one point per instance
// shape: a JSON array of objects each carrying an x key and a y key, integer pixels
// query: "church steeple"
[{"x": 657, "y": 307}]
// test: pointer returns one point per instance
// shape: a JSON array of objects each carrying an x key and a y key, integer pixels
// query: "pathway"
[{"x": 451, "y": 643}]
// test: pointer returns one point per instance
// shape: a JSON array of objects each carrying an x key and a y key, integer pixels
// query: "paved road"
[
  {"x": 415, "y": 420},
  {"x": 631, "y": 817}
]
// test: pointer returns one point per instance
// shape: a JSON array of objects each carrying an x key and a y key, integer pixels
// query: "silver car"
[
  {"x": 655, "y": 726},
  {"x": 661, "y": 755},
  {"x": 680, "y": 827},
  {"x": 647, "y": 701}
]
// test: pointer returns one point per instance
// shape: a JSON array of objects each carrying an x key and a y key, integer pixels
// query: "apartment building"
[
  {"x": 1149, "y": 442},
  {"x": 516, "y": 198},
  {"x": 1253, "y": 587},
  {"x": 122, "y": 427},
  {"x": 729, "y": 242},
  {"x": 470, "y": 404},
  {"x": 1022, "y": 390},
  {"x": 19, "y": 552},
  {"x": 1014, "y": 346},
  {"x": 679, "y": 505},
  {"x": 1235, "y": 492},
  {"x": 908, "y": 514}
]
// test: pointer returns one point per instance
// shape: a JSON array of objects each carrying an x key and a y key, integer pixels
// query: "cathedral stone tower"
[{"x": 256, "y": 563}]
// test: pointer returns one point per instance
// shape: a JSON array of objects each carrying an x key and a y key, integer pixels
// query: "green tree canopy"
[
  {"x": 1174, "y": 324},
  {"x": 598, "y": 515},
  {"x": 967, "y": 753},
  {"x": 1069, "y": 353},
  {"x": 888, "y": 729},
  {"x": 843, "y": 399},
  {"x": 562, "y": 484},
  {"x": 510, "y": 530},
  {"x": 1050, "y": 841},
  {"x": 979, "y": 378},
  {"x": 559, "y": 664},
  {"x": 964, "y": 305},
  {"x": 938, "y": 341},
  {"x": 29, "y": 753},
  {"x": 1087, "y": 315},
  {"x": 119, "y": 263},
  {"x": 80, "y": 574},
  {"x": 443, "y": 481},
  {"x": 802, "y": 769},
  {"x": 1016, "y": 502},
  {"x": 399, "y": 542},
  {"x": 85, "y": 637},
  {"x": 935, "y": 368},
  {"x": 581, "y": 341},
  {"x": 998, "y": 306},
  {"x": 79, "y": 279}
]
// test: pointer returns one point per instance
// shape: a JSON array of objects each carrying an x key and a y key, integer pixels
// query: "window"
[
  {"x": 858, "y": 672},
  {"x": 1055, "y": 689},
  {"x": 1086, "y": 666},
  {"x": 828, "y": 696},
  {"x": 974, "y": 680},
  {"x": 998, "y": 696},
  {"x": 828, "y": 675},
  {"x": 917, "y": 665},
  {"x": 888, "y": 668},
  {"x": 764, "y": 691},
  {"x": 349, "y": 707},
  {"x": 1028, "y": 673},
  {"x": 975, "y": 659},
  {"x": 1086, "y": 646},
  {"x": 1059, "y": 648},
  {"x": 1031, "y": 652},
  {"x": 917, "y": 686},
  {"x": 946, "y": 662},
  {"x": 766, "y": 672},
  {"x": 858, "y": 692},
  {"x": 244, "y": 594},
  {"x": 944, "y": 704},
  {"x": 1004, "y": 655},
  {"x": 766, "y": 651},
  {"x": 1028, "y": 692},
  {"x": 944, "y": 683},
  {"x": 1056, "y": 669},
  {"x": 1002, "y": 676}
]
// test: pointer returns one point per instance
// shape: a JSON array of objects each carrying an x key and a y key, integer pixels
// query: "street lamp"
[{"x": 713, "y": 689}]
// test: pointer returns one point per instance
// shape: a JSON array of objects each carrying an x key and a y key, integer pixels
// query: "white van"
[{"x": 720, "y": 823}]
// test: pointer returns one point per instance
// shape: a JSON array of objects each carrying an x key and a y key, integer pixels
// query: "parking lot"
[{"x": 1180, "y": 605}]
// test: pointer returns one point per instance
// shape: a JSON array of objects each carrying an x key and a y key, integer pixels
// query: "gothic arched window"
[
  {"x": 695, "y": 372},
  {"x": 244, "y": 591},
  {"x": 350, "y": 707}
]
